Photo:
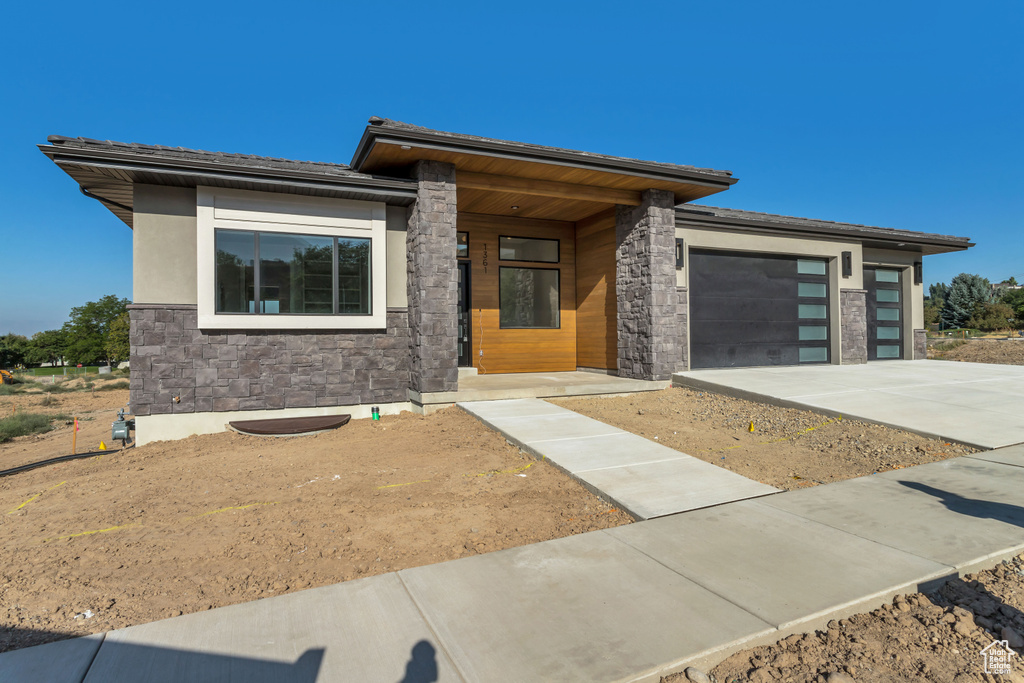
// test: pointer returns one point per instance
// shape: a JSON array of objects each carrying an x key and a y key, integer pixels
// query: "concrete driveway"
[{"x": 973, "y": 403}]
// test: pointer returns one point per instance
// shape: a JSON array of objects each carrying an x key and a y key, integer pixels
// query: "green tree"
[
  {"x": 88, "y": 328},
  {"x": 991, "y": 317},
  {"x": 965, "y": 292},
  {"x": 1014, "y": 298},
  {"x": 12, "y": 350},
  {"x": 47, "y": 347},
  {"x": 118, "y": 346},
  {"x": 932, "y": 313},
  {"x": 937, "y": 294},
  {"x": 1012, "y": 281}
]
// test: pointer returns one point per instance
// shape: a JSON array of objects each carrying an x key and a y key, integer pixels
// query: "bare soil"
[
  {"x": 787, "y": 448},
  {"x": 998, "y": 351},
  {"x": 935, "y": 637},
  {"x": 176, "y": 527}
]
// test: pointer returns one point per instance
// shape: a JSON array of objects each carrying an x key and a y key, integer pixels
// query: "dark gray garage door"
[
  {"x": 752, "y": 309},
  {"x": 885, "y": 312}
]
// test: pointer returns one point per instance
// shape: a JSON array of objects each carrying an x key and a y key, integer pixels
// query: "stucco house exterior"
[{"x": 269, "y": 287}]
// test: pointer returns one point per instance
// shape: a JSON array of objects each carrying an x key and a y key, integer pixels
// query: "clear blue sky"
[{"x": 899, "y": 114}]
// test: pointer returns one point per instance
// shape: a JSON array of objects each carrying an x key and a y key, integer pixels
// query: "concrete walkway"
[
  {"x": 973, "y": 403},
  {"x": 625, "y": 604},
  {"x": 641, "y": 476}
]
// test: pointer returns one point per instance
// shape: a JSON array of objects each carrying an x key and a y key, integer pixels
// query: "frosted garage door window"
[
  {"x": 887, "y": 296},
  {"x": 888, "y": 351},
  {"x": 811, "y": 289},
  {"x": 809, "y": 267},
  {"x": 528, "y": 297},
  {"x": 888, "y": 333},
  {"x": 812, "y": 312},
  {"x": 887, "y": 275},
  {"x": 813, "y": 332},
  {"x": 887, "y": 314},
  {"x": 813, "y": 355}
]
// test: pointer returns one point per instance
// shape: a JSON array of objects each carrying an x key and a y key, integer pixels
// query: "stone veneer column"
[
  {"x": 645, "y": 284},
  {"x": 433, "y": 280},
  {"x": 920, "y": 344},
  {"x": 854, "y": 323}
]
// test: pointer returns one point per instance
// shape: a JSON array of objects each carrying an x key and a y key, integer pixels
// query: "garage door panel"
[
  {"x": 747, "y": 332},
  {"x": 745, "y": 355},
  {"x": 753, "y": 309}
]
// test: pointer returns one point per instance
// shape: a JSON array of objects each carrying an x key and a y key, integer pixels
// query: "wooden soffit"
[{"x": 492, "y": 181}]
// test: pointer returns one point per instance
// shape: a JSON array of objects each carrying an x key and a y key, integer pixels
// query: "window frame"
[
  {"x": 558, "y": 249},
  {"x": 263, "y": 212},
  {"x": 558, "y": 308}
]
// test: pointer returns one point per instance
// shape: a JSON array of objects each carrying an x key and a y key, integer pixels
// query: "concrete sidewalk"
[
  {"x": 641, "y": 476},
  {"x": 976, "y": 404},
  {"x": 625, "y": 604}
]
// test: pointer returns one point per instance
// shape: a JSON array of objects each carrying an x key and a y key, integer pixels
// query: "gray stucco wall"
[
  {"x": 257, "y": 370},
  {"x": 164, "y": 245}
]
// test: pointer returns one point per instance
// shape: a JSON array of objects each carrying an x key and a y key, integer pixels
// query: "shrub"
[
  {"x": 10, "y": 389},
  {"x": 111, "y": 386},
  {"x": 21, "y": 424},
  {"x": 56, "y": 389}
]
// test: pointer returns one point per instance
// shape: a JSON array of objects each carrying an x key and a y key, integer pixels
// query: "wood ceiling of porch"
[{"x": 493, "y": 184}]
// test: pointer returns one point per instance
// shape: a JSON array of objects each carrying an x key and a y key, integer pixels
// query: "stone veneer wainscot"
[{"x": 259, "y": 369}]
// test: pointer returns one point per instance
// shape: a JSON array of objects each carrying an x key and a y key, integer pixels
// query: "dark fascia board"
[
  {"x": 426, "y": 140},
  {"x": 943, "y": 243},
  {"x": 386, "y": 187}
]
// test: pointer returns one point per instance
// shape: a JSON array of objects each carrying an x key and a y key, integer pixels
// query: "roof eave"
[
  {"x": 934, "y": 244},
  {"x": 375, "y": 133}
]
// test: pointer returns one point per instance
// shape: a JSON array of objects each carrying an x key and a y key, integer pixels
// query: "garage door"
[
  {"x": 753, "y": 309},
  {"x": 885, "y": 312}
]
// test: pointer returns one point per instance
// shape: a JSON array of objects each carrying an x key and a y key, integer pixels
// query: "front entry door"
[
  {"x": 465, "y": 348},
  {"x": 885, "y": 312}
]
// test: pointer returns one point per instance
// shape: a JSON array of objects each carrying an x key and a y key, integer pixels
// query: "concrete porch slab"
[
  {"x": 364, "y": 630},
  {"x": 972, "y": 403},
  {"x": 785, "y": 569},
  {"x": 582, "y": 608},
  {"x": 964, "y": 512},
  {"x": 497, "y": 387}
]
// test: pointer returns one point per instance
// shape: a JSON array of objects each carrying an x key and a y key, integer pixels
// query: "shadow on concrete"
[
  {"x": 974, "y": 507},
  {"x": 73, "y": 660},
  {"x": 124, "y": 661},
  {"x": 422, "y": 666}
]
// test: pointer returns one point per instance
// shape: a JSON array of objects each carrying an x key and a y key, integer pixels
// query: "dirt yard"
[
  {"x": 787, "y": 448},
  {"x": 177, "y": 527},
  {"x": 998, "y": 351},
  {"x": 936, "y": 637}
]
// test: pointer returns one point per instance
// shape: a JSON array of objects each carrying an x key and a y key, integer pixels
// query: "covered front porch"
[
  {"x": 496, "y": 387},
  {"x": 537, "y": 261}
]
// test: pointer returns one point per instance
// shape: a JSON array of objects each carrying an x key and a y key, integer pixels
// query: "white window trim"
[{"x": 295, "y": 214}]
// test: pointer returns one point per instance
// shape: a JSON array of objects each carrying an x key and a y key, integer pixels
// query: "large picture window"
[
  {"x": 529, "y": 297},
  {"x": 277, "y": 261},
  {"x": 272, "y": 273}
]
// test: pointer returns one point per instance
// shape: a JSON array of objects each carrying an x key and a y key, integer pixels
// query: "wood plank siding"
[
  {"x": 519, "y": 350},
  {"x": 596, "y": 330}
]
